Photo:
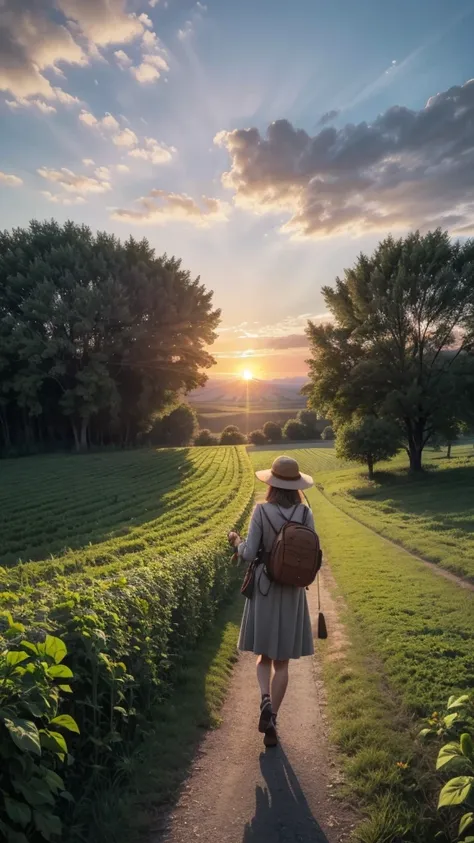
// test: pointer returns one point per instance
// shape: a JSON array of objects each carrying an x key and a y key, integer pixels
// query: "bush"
[
  {"x": 272, "y": 431},
  {"x": 231, "y": 435},
  {"x": 176, "y": 429},
  {"x": 32, "y": 744},
  {"x": 294, "y": 430},
  {"x": 309, "y": 420},
  {"x": 205, "y": 437},
  {"x": 257, "y": 437},
  {"x": 368, "y": 440},
  {"x": 328, "y": 434}
]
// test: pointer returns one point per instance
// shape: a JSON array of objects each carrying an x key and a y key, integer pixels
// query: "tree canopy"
[
  {"x": 400, "y": 343},
  {"x": 96, "y": 336}
]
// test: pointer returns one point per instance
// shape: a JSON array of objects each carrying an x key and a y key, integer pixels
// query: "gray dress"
[{"x": 278, "y": 625}]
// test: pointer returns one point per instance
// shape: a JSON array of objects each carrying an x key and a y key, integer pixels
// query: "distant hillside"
[{"x": 261, "y": 393}]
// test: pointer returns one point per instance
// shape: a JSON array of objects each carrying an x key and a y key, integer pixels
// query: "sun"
[{"x": 247, "y": 375}]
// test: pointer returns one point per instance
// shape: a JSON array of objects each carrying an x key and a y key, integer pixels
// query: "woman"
[{"x": 276, "y": 625}]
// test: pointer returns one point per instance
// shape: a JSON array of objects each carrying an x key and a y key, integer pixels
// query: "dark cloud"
[
  {"x": 406, "y": 169},
  {"x": 328, "y": 117}
]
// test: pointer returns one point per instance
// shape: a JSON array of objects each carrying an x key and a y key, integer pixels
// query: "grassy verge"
[
  {"x": 130, "y": 810},
  {"x": 411, "y": 646},
  {"x": 431, "y": 515}
]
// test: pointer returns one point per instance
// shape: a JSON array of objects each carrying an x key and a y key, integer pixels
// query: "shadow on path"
[{"x": 282, "y": 814}]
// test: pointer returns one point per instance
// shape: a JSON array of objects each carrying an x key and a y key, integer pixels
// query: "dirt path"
[{"x": 239, "y": 793}]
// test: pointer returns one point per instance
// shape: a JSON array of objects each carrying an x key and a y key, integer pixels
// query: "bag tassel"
[{"x": 322, "y": 628}]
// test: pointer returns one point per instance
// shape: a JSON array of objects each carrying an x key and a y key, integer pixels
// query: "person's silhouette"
[{"x": 282, "y": 814}]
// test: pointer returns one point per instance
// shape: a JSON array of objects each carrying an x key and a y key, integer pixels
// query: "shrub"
[
  {"x": 368, "y": 440},
  {"x": 294, "y": 430},
  {"x": 176, "y": 429},
  {"x": 328, "y": 434},
  {"x": 32, "y": 745},
  {"x": 272, "y": 431},
  {"x": 309, "y": 420},
  {"x": 231, "y": 435},
  {"x": 455, "y": 762},
  {"x": 257, "y": 437},
  {"x": 205, "y": 437}
]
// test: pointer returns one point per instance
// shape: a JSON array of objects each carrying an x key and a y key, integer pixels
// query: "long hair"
[{"x": 285, "y": 498}]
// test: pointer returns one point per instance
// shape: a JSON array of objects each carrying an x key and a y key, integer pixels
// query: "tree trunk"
[
  {"x": 5, "y": 429},
  {"x": 84, "y": 426},
  {"x": 415, "y": 436},
  {"x": 449, "y": 450},
  {"x": 77, "y": 443},
  {"x": 415, "y": 452},
  {"x": 370, "y": 466}
]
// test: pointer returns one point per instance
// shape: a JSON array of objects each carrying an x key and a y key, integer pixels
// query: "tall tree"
[
  {"x": 400, "y": 342},
  {"x": 96, "y": 336}
]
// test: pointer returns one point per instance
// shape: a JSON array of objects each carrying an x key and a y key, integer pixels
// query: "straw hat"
[{"x": 285, "y": 474}]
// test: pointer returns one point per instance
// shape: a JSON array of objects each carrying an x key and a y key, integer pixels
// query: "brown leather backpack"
[{"x": 296, "y": 555}]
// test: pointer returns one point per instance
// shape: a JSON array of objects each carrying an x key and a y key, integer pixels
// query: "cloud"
[
  {"x": 41, "y": 105},
  {"x": 122, "y": 59},
  {"x": 41, "y": 35},
  {"x": 149, "y": 69},
  {"x": 122, "y": 168},
  {"x": 407, "y": 169},
  {"x": 88, "y": 162},
  {"x": 154, "y": 152},
  {"x": 190, "y": 25},
  {"x": 145, "y": 20},
  {"x": 61, "y": 199},
  {"x": 102, "y": 173},
  {"x": 74, "y": 183},
  {"x": 125, "y": 138},
  {"x": 153, "y": 3},
  {"x": 328, "y": 117},
  {"x": 32, "y": 41},
  {"x": 103, "y": 21},
  {"x": 10, "y": 180},
  {"x": 88, "y": 118},
  {"x": 161, "y": 207}
]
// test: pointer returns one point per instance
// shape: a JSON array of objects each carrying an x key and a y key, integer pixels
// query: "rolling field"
[
  {"x": 217, "y": 418},
  {"x": 109, "y": 512}
]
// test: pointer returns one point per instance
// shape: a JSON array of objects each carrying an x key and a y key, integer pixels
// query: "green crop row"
[{"x": 130, "y": 611}]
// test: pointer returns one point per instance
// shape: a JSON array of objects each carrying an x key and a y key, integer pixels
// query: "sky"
[{"x": 265, "y": 143}]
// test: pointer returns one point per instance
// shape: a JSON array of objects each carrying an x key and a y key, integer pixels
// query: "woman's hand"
[{"x": 233, "y": 538}]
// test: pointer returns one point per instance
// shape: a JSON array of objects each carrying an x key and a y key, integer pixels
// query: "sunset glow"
[{"x": 247, "y": 375}]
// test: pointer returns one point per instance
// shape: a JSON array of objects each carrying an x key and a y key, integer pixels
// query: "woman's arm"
[{"x": 249, "y": 548}]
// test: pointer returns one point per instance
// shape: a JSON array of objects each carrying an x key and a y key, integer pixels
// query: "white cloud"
[
  {"x": 103, "y": 21},
  {"x": 88, "y": 162},
  {"x": 125, "y": 138},
  {"x": 109, "y": 122},
  {"x": 88, "y": 118},
  {"x": 32, "y": 42},
  {"x": 10, "y": 180},
  {"x": 190, "y": 25},
  {"x": 150, "y": 40},
  {"x": 161, "y": 207},
  {"x": 61, "y": 199},
  {"x": 122, "y": 58},
  {"x": 65, "y": 98},
  {"x": 102, "y": 173},
  {"x": 74, "y": 183},
  {"x": 122, "y": 168},
  {"x": 145, "y": 20},
  {"x": 154, "y": 152},
  {"x": 38, "y": 36},
  {"x": 153, "y": 3},
  {"x": 407, "y": 169},
  {"x": 41, "y": 105}
]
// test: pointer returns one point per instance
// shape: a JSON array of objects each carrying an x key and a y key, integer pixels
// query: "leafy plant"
[
  {"x": 33, "y": 679},
  {"x": 455, "y": 759}
]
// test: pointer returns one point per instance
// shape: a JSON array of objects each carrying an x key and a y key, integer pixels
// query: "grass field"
[{"x": 411, "y": 632}]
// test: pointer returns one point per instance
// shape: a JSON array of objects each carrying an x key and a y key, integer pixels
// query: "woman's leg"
[
  {"x": 264, "y": 672},
  {"x": 279, "y": 684}
]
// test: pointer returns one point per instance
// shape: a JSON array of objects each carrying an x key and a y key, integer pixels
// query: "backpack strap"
[
  {"x": 262, "y": 509},
  {"x": 305, "y": 515}
]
